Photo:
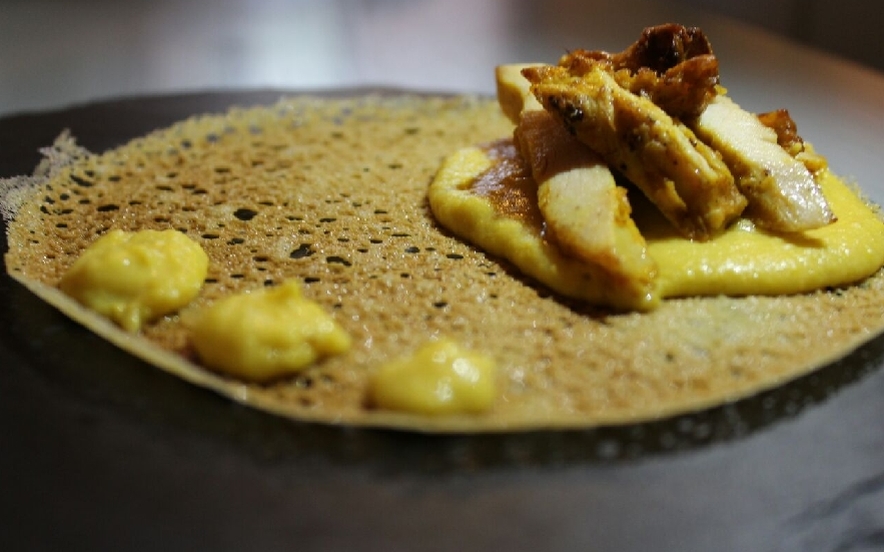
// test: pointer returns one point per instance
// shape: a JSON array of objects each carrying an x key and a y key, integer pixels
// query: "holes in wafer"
[
  {"x": 303, "y": 250},
  {"x": 245, "y": 214}
]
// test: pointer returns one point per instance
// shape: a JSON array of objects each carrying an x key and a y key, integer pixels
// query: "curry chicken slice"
[
  {"x": 585, "y": 213},
  {"x": 657, "y": 113},
  {"x": 783, "y": 195},
  {"x": 682, "y": 176}
]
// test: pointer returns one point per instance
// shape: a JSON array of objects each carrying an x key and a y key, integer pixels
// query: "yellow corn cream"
[
  {"x": 265, "y": 334},
  {"x": 135, "y": 277},
  {"x": 746, "y": 260},
  {"x": 500, "y": 215},
  {"x": 441, "y": 377}
]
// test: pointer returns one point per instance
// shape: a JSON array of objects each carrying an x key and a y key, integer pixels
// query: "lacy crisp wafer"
[{"x": 332, "y": 193}]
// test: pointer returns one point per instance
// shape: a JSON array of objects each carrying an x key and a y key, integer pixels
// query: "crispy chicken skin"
[
  {"x": 670, "y": 64},
  {"x": 788, "y": 138}
]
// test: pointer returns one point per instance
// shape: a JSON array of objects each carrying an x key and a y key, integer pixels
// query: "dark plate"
[{"x": 99, "y": 450}]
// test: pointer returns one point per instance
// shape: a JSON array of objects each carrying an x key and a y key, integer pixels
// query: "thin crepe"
[{"x": 332, "y": 192}]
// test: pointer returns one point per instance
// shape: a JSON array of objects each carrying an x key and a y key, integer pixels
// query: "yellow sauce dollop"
[
  {"x": 136, "y": 277},
  {"x": 441, "y": 377},
  {"x": 265, "y": 334}
]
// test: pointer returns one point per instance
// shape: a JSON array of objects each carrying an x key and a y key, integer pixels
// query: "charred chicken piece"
[
  {"x": 663, "y": 47},
  {"x": 781, "y": 122},
  {"x": 672, "y": 65}
]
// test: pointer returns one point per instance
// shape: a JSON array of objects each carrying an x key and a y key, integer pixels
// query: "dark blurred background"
[
  {"x": 56, "y": 52},
  {"x": 848, "y": 28}
]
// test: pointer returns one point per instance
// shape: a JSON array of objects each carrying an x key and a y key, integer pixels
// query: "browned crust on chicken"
[
  {"x": 788, "y": 138},
  {"x": 683, "y": 177},
  {"x": 672, "y": 65},
  {"x": 782, "y": 123},
  {"x": 782, "y": 192}
]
